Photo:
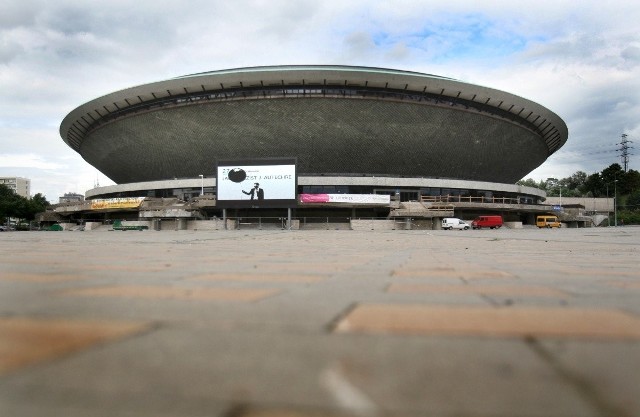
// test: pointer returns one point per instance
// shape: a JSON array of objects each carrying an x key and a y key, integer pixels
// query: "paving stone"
[
  {"x": 451, "y": 273},
  {"x": 24, "y": 341},
  {"x": 509, "y": 290},
  {"x": 257, "y": 277},
  {"x": 139, "y": 291},
  {"x": 39, "y": 278},
  {"x": 488, "y": 321},
  {"x": 522, "y": 323}
]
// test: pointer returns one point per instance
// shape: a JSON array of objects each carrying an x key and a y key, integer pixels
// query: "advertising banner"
[
  {"x": 256, "y": 183},
  {"x": 116, "y": 203},
  {"x": 381, "y": 199}
]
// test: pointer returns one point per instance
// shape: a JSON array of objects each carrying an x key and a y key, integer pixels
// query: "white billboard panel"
[{"x": 268, "y": 183}]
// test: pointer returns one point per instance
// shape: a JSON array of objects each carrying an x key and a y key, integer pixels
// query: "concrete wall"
[
  {"x": 512, "y": 225},
  {"x": 372, "y": 224},
  {"x": 589, "y": 203},
  {"x": 215, "y": 224},
  {"x": 92, "y": 225}
]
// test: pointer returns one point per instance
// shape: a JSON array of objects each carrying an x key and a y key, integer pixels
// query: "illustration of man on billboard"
[{"x": 256, "y": 193}]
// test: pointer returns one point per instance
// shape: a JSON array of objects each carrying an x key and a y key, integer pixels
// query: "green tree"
[
  {"x": 39, "y": 203},
  {"x": 22, "y": 208},
  {"x": 552, "y": 186},
  {"x": 613, "y": 175},
  {"x": 529, "y": 182},
  {"x": 577, "y": 180},
  {"x": 7, "y": 197},
  {"x": 633, "y": 201},
  {"x": 629, "y": 182},
  {"x": 594, "y": 185},
  {"x": 548, "y": 185}
]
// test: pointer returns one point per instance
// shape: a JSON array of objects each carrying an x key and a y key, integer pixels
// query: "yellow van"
[{"x": 548, "y": 222}]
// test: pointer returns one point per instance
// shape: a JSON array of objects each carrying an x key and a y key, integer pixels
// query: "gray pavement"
[{"x": 320, "y": 323}]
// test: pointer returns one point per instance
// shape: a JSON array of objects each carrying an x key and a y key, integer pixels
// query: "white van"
[{"x": 449, "y": 223}]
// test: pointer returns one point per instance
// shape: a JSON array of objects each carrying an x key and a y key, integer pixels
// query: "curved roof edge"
[
  {"x": 328, "y": 68},
  {"x": 548, "y": 125}
]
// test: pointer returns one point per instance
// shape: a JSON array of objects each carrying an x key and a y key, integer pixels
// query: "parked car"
[
  {"x": 449, "y": 223},
  {"x": 548, "y": 222},
  {"x": 487, "y": 221}
]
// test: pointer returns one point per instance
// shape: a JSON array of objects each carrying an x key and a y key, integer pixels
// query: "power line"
[
  {"x": 624, "y": 151},
  {"x": 584, "y": 156},
  {"x": 598, "y": 152}
]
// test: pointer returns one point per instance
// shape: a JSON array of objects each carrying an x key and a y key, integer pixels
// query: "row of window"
[{"x": 404, "y": 194}]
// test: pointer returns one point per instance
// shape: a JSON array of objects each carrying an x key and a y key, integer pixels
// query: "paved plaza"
[{"x": 484, "y": 323}]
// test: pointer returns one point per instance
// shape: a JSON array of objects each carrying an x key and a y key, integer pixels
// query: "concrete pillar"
[{"x": 231, "y": 224}]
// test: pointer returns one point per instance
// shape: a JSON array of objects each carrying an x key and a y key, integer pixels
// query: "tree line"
[
  {"x": 611, "y": 182},
  {"x": 14, "y": 206}
]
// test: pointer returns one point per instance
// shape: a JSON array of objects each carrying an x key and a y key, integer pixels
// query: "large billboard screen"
[{"x": 256, "y": 183}]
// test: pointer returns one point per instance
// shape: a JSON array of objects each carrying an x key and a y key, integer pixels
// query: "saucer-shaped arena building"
[{"x": 368, "y": 129}]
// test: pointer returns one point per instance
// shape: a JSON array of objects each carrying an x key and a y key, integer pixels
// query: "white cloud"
[{"x": 26, "y": 161}]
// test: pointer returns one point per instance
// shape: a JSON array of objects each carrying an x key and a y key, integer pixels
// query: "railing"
[
  {"x": 329, "y": 223},
  {"x": 305, "y": 223},
  {"x": 468, "y": 199},
  {"x": 260, "y": 222}
]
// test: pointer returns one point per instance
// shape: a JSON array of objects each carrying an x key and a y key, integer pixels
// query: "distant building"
[
  {"x": 71, "y": 198},
  {"x": 21, "y": 186}
]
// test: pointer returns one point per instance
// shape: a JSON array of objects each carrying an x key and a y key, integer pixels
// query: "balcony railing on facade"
[{"x": 470, "y": 199}]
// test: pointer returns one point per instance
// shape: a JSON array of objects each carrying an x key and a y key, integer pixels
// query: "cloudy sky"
[{"x": 579, "y": 59}]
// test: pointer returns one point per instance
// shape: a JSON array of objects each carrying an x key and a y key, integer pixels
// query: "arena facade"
[{"x": 414, "y": 137}]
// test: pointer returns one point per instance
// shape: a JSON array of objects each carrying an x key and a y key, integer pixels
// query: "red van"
[{"x": 487, "y": 221}]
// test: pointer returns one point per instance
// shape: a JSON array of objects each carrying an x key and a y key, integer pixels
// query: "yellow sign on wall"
[{"x": 116, "y": 203}]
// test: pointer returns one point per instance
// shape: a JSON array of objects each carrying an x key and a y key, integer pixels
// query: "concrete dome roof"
[{"x": 333, "y": 119}]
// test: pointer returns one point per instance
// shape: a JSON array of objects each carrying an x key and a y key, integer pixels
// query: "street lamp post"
[
  {"x": 615, "y": 203},
  {"x": 201, "y": 184},
  {"x": 560, "y": 197},
  {"x": 608, "y": 208}
]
